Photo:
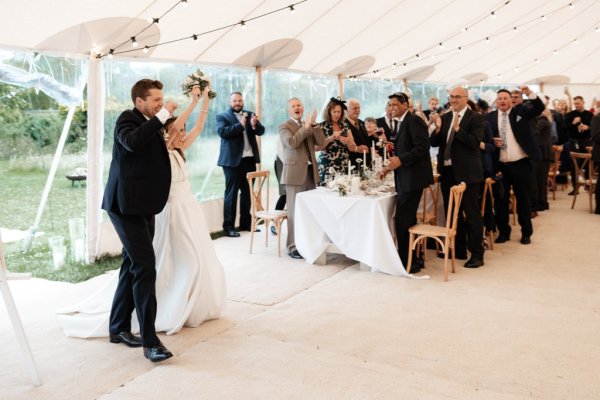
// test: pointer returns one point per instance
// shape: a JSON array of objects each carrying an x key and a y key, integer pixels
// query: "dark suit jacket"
[
  {"x": 412, "y": 147},
  {"x": 139, "y": 178},
  {"x": 382, "y": 123},
  {"x": 232, "y": 138},
  {"x": 595, "y": 129},
  {"x": 544, "y": 138},
  {"x": 519, "y": 119},
  {"x": 465, "y": 152}
]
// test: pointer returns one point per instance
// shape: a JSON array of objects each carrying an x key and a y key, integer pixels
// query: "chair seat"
[
  {"x": 272, "y": 214},
  {"x": 429, "y": 230}
]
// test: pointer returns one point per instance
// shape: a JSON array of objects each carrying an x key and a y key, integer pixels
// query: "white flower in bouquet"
[{"x": 197, "y": 79}]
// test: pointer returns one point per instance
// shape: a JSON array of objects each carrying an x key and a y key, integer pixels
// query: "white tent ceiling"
[{"x": 345, "y": 37}]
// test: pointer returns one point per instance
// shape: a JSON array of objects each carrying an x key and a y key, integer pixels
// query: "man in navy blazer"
[
  {"x": 412, "y": 172},
  {"x": 239, "y": 155},
  {"x": 516, "y": 148},
  {"x": 138, "y": 186}
]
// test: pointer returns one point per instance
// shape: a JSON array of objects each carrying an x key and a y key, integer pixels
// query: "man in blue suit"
[
  {"x": 138, "y": 186},
  {"x": 516, "y": 149},
  {"x": 239, "y": 155}
]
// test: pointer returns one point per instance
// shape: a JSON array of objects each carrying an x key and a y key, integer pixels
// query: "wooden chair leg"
[
  {"x": 252, "y": 229},
  {"x": 411, "y": 246}
]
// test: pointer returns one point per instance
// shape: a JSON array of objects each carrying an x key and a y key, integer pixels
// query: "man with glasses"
[{"x": 458, "y": 134}]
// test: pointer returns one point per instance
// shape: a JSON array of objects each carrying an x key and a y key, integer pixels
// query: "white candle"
[
  {"x": 349, "y": 169},
  {"x": 373, "y": 151},
  {"x": 355, "y": 185},
  {"x": 384, "y": 152},
  {"x": 364, "y": 159}
]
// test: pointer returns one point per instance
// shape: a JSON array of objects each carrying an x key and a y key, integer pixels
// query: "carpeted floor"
[{"x": 524, "y": 326}]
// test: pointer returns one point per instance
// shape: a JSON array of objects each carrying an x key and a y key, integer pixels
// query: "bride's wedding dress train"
[{"x": 190, "y": 282}]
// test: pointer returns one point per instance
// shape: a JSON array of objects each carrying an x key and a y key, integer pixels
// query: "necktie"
[
  {"x": 306, "y": 146},
  {"x": 448, "y": 148},
  {"x": 503, "y": 129}
]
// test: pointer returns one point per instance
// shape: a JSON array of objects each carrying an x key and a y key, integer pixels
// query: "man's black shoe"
[
  {"x": 246, "y": 229},
  {"x": 273, "y": 230},
  {"x": 474, "y": 263},
  {"x": 157, "y": 353},
  {"x": 232, "y": 234},
  {"x": 415, "y": 268},
  {"x": 502, "y": 239},
  {"x": 525, "y": 240},
  {"x": 294, "y": 254},
  {"x": 127, "y": 338}
]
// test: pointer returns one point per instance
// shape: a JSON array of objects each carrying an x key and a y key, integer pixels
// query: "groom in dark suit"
[
  {"x": 239, "y": 155},
  {"x": 412, "y": 172},
  {"x": 138, "y": 186}
]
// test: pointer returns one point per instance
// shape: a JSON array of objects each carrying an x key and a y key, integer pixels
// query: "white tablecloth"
[{"x": 358, "y": 225}]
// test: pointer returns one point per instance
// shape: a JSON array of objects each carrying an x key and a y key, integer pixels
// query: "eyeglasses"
[{"x": 457, "y": 97}]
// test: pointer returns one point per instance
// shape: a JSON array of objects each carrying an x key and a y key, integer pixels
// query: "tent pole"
[
  {"x": 259, "y": 109},
  {"x": 50, "y": 179},
  {"x": 340, "y": 86},
  {"x": 96, "y": 95}
]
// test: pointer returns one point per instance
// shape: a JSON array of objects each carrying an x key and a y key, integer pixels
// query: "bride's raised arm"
[
  {"x": 199, "y": 125},
  {"x": 181, "y": 119}
]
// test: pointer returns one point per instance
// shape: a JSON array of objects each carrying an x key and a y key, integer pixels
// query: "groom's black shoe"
[
  {"x": 232, "y": 234},
  {"x": 157, "y": 353},
  {"x": 126, "y": 338},
  {"x": 295, "y": 254}
]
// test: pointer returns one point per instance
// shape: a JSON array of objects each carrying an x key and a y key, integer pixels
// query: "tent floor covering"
[{"x": 524, "y": 326}]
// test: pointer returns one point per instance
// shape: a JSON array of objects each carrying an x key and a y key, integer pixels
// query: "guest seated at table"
[{"x": 334, "y": 156}]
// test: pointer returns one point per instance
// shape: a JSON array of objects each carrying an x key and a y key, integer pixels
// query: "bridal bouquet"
[{"x": 197, "y": 79}]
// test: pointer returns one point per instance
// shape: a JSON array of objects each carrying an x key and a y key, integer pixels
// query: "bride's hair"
[{"x": 166, "y": 128}]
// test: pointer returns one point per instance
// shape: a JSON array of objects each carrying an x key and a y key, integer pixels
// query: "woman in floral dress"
[{"x": 334, "y": 156}]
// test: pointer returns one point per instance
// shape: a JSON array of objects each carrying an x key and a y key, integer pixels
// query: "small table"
[{"x": 356, "y": 226}]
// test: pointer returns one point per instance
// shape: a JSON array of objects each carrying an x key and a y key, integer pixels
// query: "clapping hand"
[
  {"x": 243, "y": 120},
  {"x": 311, "y": 119},
  {"x": 437, "y": 121},
  {"x": 253, "y": 121}
]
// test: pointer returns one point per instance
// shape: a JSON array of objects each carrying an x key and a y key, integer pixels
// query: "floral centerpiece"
[
  {"x": 197, "y": 79},
  {"x": 340, "y": 183}
]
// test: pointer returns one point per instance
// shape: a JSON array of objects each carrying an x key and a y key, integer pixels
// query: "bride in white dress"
[{"x": 190, "y": 282}]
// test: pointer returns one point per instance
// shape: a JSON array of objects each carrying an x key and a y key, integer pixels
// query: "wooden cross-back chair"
[
  {"x": 584, "y": 176},
  {"x": 420, "y": 232},
  {"x": 488, "y": 191},
  {"x": 260, "y": 212},
  {"x": 553, "y": 172}
]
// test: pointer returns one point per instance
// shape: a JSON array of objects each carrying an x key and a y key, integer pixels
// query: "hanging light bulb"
[
  {"x": 459, "y": 48},
  {"x": 292, "y": 10},
  {"x": 487, "y": 39},
  {"x": 394, "y": 65},
  {"x": 493, "y": 14},
  {"x": 543, "y": 17},
  {"x": 597, "y": 29},
  {"x": 134, "y": 42},
  {"x": 536, "y": 61},
  {"x": 110, "y": 53},
  {"x": 555, "y": 52},
  {"x": 515, "y": 29},
  {"x": 516, "y": 69},
  {"x": 441, "y": 45},
  {"x": 243, "y": 24},
  {"x": 149, "y": 20},
  {"x": 575, "y": 41},
  {"x": 145, "y": 49},
  {"x": 571, "y": 6},
  {"x": 183, "y": 3}
]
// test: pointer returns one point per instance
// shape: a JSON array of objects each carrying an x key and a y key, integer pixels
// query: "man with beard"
[{"x": 239, "y": 155}]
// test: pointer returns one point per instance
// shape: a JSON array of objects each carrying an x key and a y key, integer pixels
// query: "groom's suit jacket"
[
  {"x": 139, "y": 178},
  {"x": 232, "y": 138},
  {"x": 295, "y": 139}
]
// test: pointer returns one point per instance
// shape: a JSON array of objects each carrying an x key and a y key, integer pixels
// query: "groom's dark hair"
[{"x": 142, "y": 87}]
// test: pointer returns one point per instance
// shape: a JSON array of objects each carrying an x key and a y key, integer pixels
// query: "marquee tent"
[{"x": 547, "y": 42}]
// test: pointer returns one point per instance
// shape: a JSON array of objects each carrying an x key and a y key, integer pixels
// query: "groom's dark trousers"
[{"x": 136, "y": 233}]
